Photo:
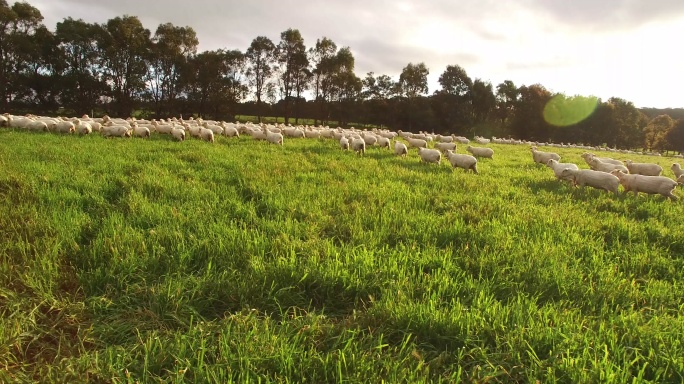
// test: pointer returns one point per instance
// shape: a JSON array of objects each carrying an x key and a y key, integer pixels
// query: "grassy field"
[{"x": 129, "y": 260}]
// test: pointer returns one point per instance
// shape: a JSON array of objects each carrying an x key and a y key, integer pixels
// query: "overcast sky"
[{"x": 625, "y": 48}]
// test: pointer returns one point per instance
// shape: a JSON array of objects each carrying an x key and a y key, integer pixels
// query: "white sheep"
[
  {"x": 229, "y": 130},
  {"x": 178, "y": 134},
  {"x": 39, "y": 126},
  {"x": 383, "y": 142},
  {"x": 559, "y": 167},
  {"x": 430, "y": 155},
  {"x": 595, "y": 179},
  {"x": 480, "y": 151},
  {"x": 140, "y": 131},
  {"x": 648, "y": 184},
  {"x": 207, "y": 134},
  {"x": 543, "y": 157},
  {"x": 116, "y": 130},
  {"x": 467, "y": 162},
  {"x": 443, "y": 146},
  {"x": 646, "y": 169},
  {"x": 164, "y": 128},
  {"x": 417, "y": 143},
  {"x": 359, "y": 146},
  {"x": 598, "y": 165},
  {"x": 62, "y": 127},
  {"x": 274, "y": 137},
  {"x": 587, "y": 156},
  {"x": 369, "y": 138},
  {"x": 344, "y": 143},
  {"x": 82, "y": 127},
  {"x": 400, "y": 149},
  {"x": 677, "y": 170}
]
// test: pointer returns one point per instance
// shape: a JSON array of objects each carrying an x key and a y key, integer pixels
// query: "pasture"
[{"x": 126, "y": 260}]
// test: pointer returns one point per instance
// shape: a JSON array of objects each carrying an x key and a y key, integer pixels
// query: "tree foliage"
[{"x": 120, "y": 67}]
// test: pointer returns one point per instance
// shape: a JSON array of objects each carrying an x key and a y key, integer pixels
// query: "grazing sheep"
[
  {"x": 39, "y": 126},
  {"x": 312, "y": 133},
  {"x": 587, "y": 156},
  {"x": 400, "y": 149},
  {"x": 259, "y": 134},
  {"x": 543, "y": 157},
  {"x": 383, "y": 142},
  {"x": 63, "y": 127},
  {"x": 680, "y": 179},
  {"x": 369, "y": 138},
  {"x": 430, "y": 155},
  {"x": 462, "y": 140},
  {"x": 229, "y": 130},
  {"x": 216, "y": 129},
  {"x": 164, "y": 128},
  {"x": 178, "y": 134},
  {"x": 207, "y": 134},
  {"x": 344, "y": 143},
  {"x": 598, "y": 165},
  {"x": 445, "y": 139},
  {"x": 442, "y": 146},
  {"x": 417, "y": 143},
  {"x": 141, "y": 131},
  {"x": 559, "y": 167},
  {"x": 116, "y": 131},
  {"x": 481, "y": 151},
  {"x": 274, "y": 137},
  {"x": 648, "y": 184},
  {"x": 359, "y": 146},
  {"x": 466, "y": 162},
  {"x": 646, "y": 169},
  {"x": 595, "y": 179},
  {"x": 677, "y": 170}
]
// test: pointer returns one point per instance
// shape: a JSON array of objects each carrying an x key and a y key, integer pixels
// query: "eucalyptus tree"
[
  {"x": 483, "y": 101},
  {"x": 38, "y": 85},
  {"x": 18, "y": 25},
  {"x": 214, "y": 83},
  {"x": 124, "y": 46},
  {"x": 412, "y": 84},
  {"x": 528, "y": 121},
  {"x": 322, "y": 59},
  {"x": 376, "y": 93},
  {"x": 656, "y": 130},
  {"x": 80, "y": 77},
  {"x": 506, "y": 97},
  {"x": 260, "y": 58},
  {"x": 345, "y": 86},
  {"x": 293, "y": 59},
  {"x": 171, "y": 48},
  {"x": 674, "y": 138},
  {"x": 452, "y": 103}
]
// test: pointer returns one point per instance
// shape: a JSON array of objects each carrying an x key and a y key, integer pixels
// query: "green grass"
[{"x": 125, "y": 260}]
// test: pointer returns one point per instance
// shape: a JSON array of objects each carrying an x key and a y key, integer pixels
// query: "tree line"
[{"x": 121, "y": 68}]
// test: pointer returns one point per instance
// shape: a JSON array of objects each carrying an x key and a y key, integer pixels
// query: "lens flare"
[{"x": 563, "y": 111}]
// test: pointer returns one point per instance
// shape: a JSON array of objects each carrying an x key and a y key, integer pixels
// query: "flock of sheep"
[{"x": 604, "y": 173}]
